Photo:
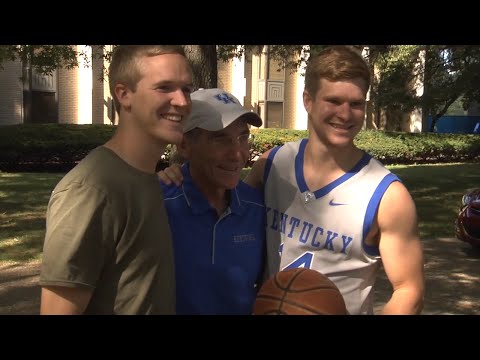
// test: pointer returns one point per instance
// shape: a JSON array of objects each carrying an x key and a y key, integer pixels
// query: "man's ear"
[
  {"x": 307, "y": 101},
  {"x": 123, "y": 94}
]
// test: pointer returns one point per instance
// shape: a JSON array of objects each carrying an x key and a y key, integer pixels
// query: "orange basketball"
[{"x": 299, "y": 292}]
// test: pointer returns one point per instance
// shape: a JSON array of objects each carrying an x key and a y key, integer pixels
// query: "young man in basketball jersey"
[{"x": 333, "y": 208}]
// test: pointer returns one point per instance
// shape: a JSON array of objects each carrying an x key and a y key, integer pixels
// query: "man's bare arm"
[
  {"x": 255, "y": 176},
  {"x": 58, "y": 300},
  {"x": 401, "y": 251}
]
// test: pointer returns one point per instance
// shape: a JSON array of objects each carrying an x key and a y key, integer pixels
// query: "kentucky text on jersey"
[{"x": 306, "y": 232}]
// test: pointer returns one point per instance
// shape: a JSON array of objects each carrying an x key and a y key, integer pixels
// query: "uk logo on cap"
[{"x": 226, "y": 98}]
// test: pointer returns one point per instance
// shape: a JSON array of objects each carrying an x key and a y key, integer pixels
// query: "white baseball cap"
[{"x": 215, "y": 109}]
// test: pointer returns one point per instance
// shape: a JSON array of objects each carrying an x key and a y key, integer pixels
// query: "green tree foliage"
[
  {"x": 448, "y": 73},
  {"x": 44, "y": 58},
  {"x": 451, "y": 72},
  {"x": 396, "y": 68}
]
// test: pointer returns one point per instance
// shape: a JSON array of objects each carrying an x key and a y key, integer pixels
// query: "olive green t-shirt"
[{"x": 107, "y": 228}]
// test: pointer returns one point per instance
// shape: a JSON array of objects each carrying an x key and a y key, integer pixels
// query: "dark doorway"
[{"x": 44, "y": 107}]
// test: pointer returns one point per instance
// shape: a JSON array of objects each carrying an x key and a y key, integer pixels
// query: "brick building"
[{"x": 79, "y": 96}]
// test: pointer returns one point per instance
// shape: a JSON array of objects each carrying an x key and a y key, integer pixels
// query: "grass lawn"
[
  {"x": 23, "y": 202},
  {"x": 436, "y": 189}
]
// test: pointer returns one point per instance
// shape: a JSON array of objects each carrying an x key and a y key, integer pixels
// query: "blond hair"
[
  {"x": 124, "y": 67},
  {"x": 336, "y": 63}
]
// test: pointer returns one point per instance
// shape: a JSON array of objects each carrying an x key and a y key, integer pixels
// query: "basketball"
[{"x": 299, "y": 292}]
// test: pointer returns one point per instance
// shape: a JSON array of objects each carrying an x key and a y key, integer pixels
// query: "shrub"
[{"x": 58, "y": 147}]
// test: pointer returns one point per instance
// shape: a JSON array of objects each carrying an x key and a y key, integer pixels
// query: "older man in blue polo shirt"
[{"x": 217, "y": 221}]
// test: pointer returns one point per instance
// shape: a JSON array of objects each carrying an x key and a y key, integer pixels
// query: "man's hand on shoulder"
[{"x": 171, "y": 175}]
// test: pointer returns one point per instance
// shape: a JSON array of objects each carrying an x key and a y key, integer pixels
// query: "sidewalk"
[
  {"x": 19, "y": 290},
  {"x": 452, "y": 271}
]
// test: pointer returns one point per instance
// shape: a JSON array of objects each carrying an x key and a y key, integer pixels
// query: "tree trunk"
[
  {"x": 204, "y": 64},
  {"x": 443, "y": 111},
  {"x": 393, "y": 119},
  {"x": 27, "y": 86},
  {"x": 426, "y": 89},
  {"x": 434, "y": 122}
]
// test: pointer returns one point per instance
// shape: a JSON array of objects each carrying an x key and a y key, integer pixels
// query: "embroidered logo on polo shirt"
[{"x": 238, "y": 239}]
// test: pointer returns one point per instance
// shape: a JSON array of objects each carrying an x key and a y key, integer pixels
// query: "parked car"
[{"x": 467, "y": 224}]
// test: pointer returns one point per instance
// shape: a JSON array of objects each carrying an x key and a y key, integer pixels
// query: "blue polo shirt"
[{"x": 218, "y": 260}]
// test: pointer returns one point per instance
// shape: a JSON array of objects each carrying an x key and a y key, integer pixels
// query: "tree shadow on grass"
[{"x": 25, "y": 237}]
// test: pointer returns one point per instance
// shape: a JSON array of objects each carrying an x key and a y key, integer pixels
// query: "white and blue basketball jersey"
[{"x": 325, "y": 229}]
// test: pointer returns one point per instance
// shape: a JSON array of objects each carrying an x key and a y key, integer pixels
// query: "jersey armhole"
[{"x": 269, "y": 162}]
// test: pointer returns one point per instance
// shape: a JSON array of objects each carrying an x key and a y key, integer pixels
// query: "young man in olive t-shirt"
[{"x": 108, "y": 246}]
